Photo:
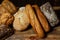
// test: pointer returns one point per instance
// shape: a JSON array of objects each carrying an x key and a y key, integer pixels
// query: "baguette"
[
  {"x": 34, "y": 21},
  {"x": 42, "y": 18}
]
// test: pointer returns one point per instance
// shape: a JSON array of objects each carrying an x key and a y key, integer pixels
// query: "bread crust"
[
  {"x": 9, "y": 6},
  {"x": 34, "y": 21},
  {"x": 3, "y": 10},
  {"x": 49, "y": 14},
  {"x": 42, "y": 18},
  {"x": 6, "y": 18},
  {"x": 21, "y": 21}
]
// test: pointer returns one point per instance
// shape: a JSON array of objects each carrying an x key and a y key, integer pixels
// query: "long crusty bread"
[
  {"x": 42, "y": 18},
  {"x": 34, "y": 21}
]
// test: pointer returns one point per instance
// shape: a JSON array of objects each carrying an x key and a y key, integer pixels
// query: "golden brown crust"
[
  {"x": 6, "y": 18},
  {"x": 42, "y": 18},
  {"x": 3, "y": 10},
  {"x": 34, "y": 21},
  {"x": 9, "y": 6}
]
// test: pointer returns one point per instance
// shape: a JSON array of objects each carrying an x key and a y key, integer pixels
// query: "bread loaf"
[
  {"x": 6, "y": 18},
  {"x": 34, "y": 21},
  {"x": 9, "y": 6},
  {"x": 2, "y": 10},
  {"x": 50, "y": 14},
  {"x": 5, "y": 31},
  {"x": 42, "y": 18},
  {"x": 21, "y": 21}
]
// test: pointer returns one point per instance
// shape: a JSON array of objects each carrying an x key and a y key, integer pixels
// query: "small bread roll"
[
  {"x": 42, "y": 18},
  {"x": 34, "y": 21},
  {"x": 6, "y": 18},
  {"x": 21, "y": 21},
  {"x": 9, "y": 6}
]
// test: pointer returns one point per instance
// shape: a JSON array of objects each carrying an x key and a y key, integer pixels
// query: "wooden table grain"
[{"x": 30, "y": 35}]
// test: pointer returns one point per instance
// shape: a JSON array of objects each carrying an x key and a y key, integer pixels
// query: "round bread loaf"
[
  {"x": 49, "y": 14},
  {"x": 21, "y": 20}
]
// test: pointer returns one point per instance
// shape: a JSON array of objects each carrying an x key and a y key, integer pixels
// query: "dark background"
[
  {"x": 19, "y": 3},
  {"x": 39, "y": 2}
]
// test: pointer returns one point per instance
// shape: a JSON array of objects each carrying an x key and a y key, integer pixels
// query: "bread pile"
[
  {"x": 7, "y": 9},
  {"x": 29, "y": 14}
]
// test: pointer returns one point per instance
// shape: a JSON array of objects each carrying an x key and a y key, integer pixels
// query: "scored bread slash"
[
  {"x": 50, "y": 14},
  {"x": 34, "y": 21},
  {"x": 41, "y": 18},
  {"x": 21, "y": 21}
]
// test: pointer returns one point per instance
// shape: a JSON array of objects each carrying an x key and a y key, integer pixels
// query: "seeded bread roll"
[
  {"x": 21, "y": 21},
  {"x": 9, "y": 6},
  {"x": 34, "y": 21},
  {"x": 6, "y": 18},
  {"x": 42, "y": 18}
]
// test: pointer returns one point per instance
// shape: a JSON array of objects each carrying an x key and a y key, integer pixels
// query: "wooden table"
[{"x": 30, "y": 35}]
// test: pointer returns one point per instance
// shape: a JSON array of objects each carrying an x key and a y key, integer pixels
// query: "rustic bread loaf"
[
  {"x": 34, "y": 21},
  {"x": 9, "y": 6},
  {"x": 21, "y": 21},
  {"x": 42, "y": 18}
]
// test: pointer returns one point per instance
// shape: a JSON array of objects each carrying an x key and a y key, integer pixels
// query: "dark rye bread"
[
  {"x": 2, "y": 10},
  {"x": 5, "y": 31}
]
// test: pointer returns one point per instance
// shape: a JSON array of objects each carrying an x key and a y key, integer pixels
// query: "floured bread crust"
[{"x": 21, "y": 21}]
